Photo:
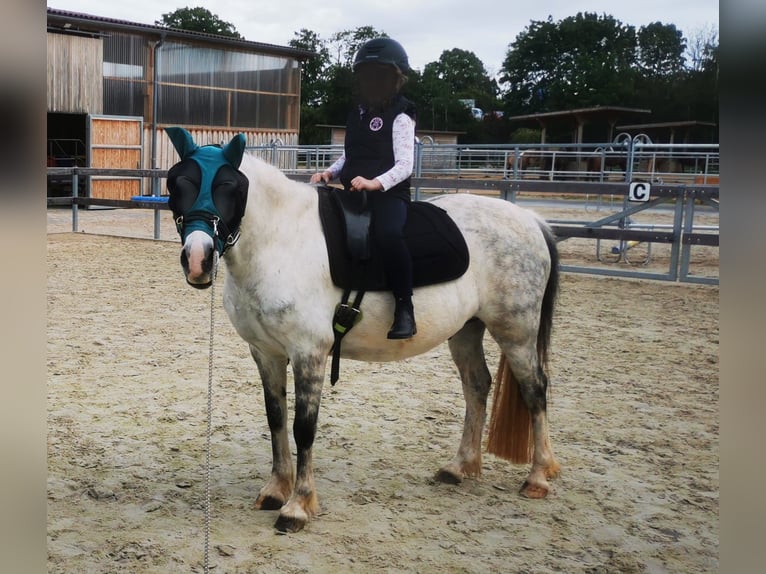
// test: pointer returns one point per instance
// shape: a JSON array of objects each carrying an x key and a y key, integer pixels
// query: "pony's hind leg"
[
  {"x": 273, "y": 371},
  {"x": 524, "y": 363},
  {"x": 468, "y": 353}
]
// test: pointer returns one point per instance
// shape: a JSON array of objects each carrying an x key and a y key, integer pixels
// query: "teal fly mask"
[{"x": 207, "y": 191}]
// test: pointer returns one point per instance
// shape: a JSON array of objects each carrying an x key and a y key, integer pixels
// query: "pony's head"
[{"x": 208, "y": 195}]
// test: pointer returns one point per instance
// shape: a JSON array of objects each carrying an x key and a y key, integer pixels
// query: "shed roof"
[
  {"x": 660, "y": 125},
  {"x": 418, "y": 130},
  {"x": 595, "y": 110},
  {"x": 65, "y": 21},
  {"x": 580, "y": 117}
]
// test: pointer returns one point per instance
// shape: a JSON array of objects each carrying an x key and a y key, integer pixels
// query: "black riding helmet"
[{"x": 383, "y": 51}]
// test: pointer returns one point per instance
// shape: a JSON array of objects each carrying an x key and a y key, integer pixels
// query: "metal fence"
[
  {"x": 501, "y": 171},
  {"x": 622, "y": 161}
]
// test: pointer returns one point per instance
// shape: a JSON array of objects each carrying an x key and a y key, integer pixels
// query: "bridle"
[
  {"x": 224, "y": 237},
  {"x": 208, "y": 193}
]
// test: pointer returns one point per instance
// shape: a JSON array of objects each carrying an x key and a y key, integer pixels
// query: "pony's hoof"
[
  {"x": 448, "y": 477},
  {"x": 289, "y": 524},
  {"x": 535, "y": 491},
  {"x": 269, "y": 503}
]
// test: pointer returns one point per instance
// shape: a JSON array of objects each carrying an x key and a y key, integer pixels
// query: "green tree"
[
  {"x": 698, "y": 93},
  {"x": 579, "y": 61},
  {"x": 458, "y": 74},
  {"x": 313, "y": 86},
  {"x": 437, "y": 107},
  {"x": 327, "y": 80},
  {"x": 660, "y": 71},
  {"x": 198, "y": 20},
  {"x": 340, "y": 89},
  {"x": 661, "y": 50},
  {"x": 665, "y": 84},
  {"x": 344, "y": 45},
  {"x": 710, "y": 60},
  {"x": 327, "y": 88},
  {"x": 430, "y": 95},
  {"x": 464, "y": 76},
  {"x": 313, "y": 82},
  {"x": 700, "y": 44}
]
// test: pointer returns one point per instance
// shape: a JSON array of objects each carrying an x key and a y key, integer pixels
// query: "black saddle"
[{"x": 438, "y": 249}]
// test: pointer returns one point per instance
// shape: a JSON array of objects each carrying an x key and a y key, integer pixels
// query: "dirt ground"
[{"x": 633, "y": 411}]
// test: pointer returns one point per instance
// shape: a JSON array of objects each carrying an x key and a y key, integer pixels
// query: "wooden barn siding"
[
  {"x": 338, "y": 136},
  {"x": 75, "y": 74},
  {"x": 167, "y": 155},
  {"x": 122, "y": 189},
  {"x": 116, "y": 158},
  {"x": 107, "y": 132},
  {"x": 104, "y": 131}
]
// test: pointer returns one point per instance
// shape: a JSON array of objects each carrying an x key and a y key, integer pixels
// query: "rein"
[{"x": 206, "y": 563}]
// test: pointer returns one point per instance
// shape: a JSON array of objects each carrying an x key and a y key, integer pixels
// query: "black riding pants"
[{"x": 389, "y": 215}]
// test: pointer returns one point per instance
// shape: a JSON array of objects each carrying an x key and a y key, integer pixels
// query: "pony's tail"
[
  {"x": 549, "y": 302},
  {"x": 510, "y": 426}
]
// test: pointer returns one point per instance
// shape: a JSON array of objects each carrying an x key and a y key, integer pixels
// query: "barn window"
[
  {"x": 216, "y": 87},
  {"x": 124, "y": 71},
  {"x": 200, "y": 86}
]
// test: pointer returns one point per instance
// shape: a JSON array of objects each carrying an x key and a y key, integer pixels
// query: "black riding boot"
[{"x": 404, "y": 320}]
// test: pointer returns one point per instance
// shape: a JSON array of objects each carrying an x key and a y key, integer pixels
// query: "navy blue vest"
[{"x": 369, "y": 144}]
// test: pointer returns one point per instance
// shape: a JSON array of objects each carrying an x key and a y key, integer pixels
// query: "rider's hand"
[
  {"x": 360, "y": 183},
  {"x": 323, "y": 176}
]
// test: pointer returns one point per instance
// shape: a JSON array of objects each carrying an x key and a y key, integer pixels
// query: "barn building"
[{"x": 113, "y": 85}]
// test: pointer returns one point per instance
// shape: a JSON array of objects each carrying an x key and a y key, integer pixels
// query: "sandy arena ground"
[{"x": 633, "y": 411}]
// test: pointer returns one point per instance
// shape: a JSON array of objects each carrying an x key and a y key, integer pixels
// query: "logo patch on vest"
[{"x": 376, "y": 123}]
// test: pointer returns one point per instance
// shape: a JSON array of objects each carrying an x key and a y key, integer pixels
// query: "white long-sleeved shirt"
[{"x": 403, "y": 136}]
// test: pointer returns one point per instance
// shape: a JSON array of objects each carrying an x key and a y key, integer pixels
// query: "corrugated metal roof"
[
  {"x": 80, "y": 21},
  {"x": 580, "y": 111},
  {"x": 679, "y": 124}
]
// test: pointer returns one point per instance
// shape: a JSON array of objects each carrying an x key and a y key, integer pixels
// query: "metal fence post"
[
  {"x": 688, "y": 227},
  {"x": 75, "y": 184},
  {"x": 418, "y": 166},
  {"x": 156, "y": 193},
  {"x": 275, "y": 143},
  {"x": 629, "y": 162},
  {"x": 675, "y": 249}
]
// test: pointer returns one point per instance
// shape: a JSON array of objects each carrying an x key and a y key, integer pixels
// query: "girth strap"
[
  {"x": 356, "y": 220},
  {"x": 346, "y": 316}
]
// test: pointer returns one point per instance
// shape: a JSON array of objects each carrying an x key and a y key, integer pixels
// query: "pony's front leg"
[
  {"x": 304, "y": 504},
  {"x": 468, "y": 353},
  {"x": 273, "y": 371}
]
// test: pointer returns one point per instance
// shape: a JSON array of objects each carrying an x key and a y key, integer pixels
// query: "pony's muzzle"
[{"x": 197, "y": 262}]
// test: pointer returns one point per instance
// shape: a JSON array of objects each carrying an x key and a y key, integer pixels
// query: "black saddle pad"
[{"x": 438, "y": 249}]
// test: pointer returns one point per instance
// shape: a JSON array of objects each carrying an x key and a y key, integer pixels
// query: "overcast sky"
[{"x": 426, "y": 28}]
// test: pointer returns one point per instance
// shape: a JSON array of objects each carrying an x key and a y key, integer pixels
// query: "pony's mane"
[
  {"x": 272, "y": 186},
  {"x": 269, "y": 177},
  {"x": 254, "y": 167}
]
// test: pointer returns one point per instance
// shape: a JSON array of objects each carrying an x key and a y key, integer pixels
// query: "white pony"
[{"x": 280, "y": 297}]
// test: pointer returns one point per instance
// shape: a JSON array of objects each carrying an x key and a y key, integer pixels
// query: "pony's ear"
[
  {"x": 182, "y": 141},
  {"x": 234, "y": 150}
]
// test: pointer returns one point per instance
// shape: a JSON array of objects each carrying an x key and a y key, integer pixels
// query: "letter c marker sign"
[{"x": 639, "y": 191}]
